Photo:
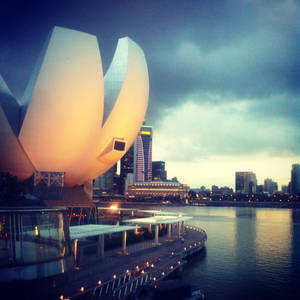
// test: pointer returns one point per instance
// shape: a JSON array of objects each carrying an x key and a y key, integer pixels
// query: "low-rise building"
[{"x": 157, "y": 189}]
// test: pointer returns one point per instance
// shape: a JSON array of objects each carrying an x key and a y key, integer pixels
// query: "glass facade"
[
  {"x": 127, "y": 162},
  {"x": 32, "y": 236},
  {"x": 245, "y": 182},
  {"x": 105, "y": 183},
  {"x": 158, "y": 171},
  {"x": 143, "y": 155},
  {"x": 295, "y": 179}
]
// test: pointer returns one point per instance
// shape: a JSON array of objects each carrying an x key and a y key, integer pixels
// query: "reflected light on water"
[
  {"x": 251, "y": 253},
  {"x": 273, "y": 240}
]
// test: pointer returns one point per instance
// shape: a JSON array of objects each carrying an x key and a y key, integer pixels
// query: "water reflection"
[
  {"x": 252, "y": 253},
  {"x": 296, "y": 215},
  {"x": 244, "y": 246},
  {"x": 245, "y": 212},
  {"x": 273, "y": 234},
  {"x": 273, "y": 248},
  {"x": 295, "y": 248}
]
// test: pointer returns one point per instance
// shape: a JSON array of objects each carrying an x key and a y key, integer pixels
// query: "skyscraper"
[
  {"x": 245, "y": 182},
  {"x": 105, "y": 182},
  {"x": 295, "y": 179},
  {"x": 158, "y": 171},
  {"x": 143, "y": 154},
  {"x": 127, "y": 162},
  {"x": 270, "y": 186},
  {"x": 127, "y": 167}
]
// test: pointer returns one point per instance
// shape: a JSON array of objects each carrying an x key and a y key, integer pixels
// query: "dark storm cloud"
[
  {"x": 242, "y": 49},
  {"x": 253, "y": 57}
]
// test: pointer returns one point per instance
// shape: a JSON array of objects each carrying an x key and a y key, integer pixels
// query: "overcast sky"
[{"x": 224, "y": 76}]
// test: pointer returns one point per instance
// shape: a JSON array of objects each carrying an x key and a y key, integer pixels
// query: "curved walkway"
[{"x": 156, "y": 260}]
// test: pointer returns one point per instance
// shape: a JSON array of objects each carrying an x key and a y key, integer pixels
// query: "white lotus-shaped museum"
[{"x": 70, "y": 119}]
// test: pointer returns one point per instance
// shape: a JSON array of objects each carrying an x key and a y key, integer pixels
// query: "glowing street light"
[{"x": 113, "y": 207}]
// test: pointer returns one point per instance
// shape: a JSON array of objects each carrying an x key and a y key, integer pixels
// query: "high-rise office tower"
[
  {"x": 295, "y": 179},
  {"x": 158, "y": 171},
  {"x": 126, "y": 167},
  {"x": 270, "y": 186},
  {"x": 245, "y": 182},
  {"x": 285, "y": 189},
  {"x": 127, "y": 162},
  {"x": 105, "y": 182},
  {"x": 143, "y": 154},
  {"x": 260, "y": 189}
]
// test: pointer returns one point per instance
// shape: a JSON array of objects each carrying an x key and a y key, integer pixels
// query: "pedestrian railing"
[
  {"x": 131, "y": 286},
  {"x": 156, "y": 268},
  {"x": 108, "y": 287}
]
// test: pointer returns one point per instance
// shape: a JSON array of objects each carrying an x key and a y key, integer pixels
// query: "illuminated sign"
[{"x": 145, "y": 132}]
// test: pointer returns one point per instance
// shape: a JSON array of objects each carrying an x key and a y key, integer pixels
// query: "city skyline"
[{"x": 224, "y": 76}]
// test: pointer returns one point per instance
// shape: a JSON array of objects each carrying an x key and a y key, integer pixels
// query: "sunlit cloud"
[{"x": 206, "y": 144}]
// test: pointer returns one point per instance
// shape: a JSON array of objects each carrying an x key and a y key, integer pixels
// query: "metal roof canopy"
[
  {"x": 155, "y": 212},
  {"x": 82, "y": 231},
  {"x": 158, "y": 220},
  {"x": 160, "y": 212}
]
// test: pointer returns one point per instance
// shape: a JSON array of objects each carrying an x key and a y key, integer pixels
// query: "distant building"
[
  {"x": 126, "y": 167},
  {"x": 225, "y": 190},
  {"x": 105, "y": 184},
  {"x": 245, "y": 182},
  {"x": 157, "y": 189},
  {"x": 295, "y": 179},
  {"x": 215, "y": 189},
  {"x": 129, "y": 180},
  {"x": 158, "y": 171},
  {"x": 117, "y": 184},
  {"x": 127, "y": 162},
  {"x": 285, "y": 189},
  {"x": 143, "y": 154},
  {"x": 203, "y": 189},
  {"x": 174, "y": 179},
  {"x": 260, "y": 189},
  {"x": 270, "y": 186}
]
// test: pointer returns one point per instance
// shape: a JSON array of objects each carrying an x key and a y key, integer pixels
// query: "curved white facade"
[{"x": 60, "y": 125}]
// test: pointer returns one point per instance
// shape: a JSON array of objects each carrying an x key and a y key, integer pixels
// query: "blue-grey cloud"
[
  {"x": 256, "y": 61},
  {"x": 235, "y": 50}
]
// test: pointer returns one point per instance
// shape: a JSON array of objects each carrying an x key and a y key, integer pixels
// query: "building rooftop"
[
  {"x": 157, "y": 183},
  {"x": 158, "y": 220},
  {"x": 83, "y": 231},
  {"x": 159, "y": 212}
]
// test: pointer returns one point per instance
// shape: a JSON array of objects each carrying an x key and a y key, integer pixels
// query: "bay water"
[{"x": 251, "y": 253}]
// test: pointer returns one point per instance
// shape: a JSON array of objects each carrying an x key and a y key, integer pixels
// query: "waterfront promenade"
[
  {"x": 217, "y": 203},
  {"x": 143, "y": 263}
]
